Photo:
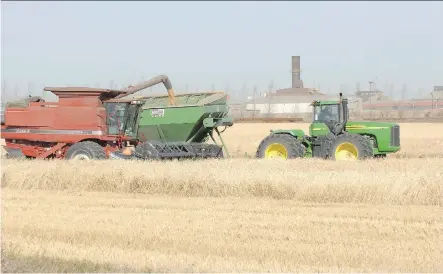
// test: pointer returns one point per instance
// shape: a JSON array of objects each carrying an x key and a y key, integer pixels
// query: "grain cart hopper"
[
  {"x": 332, "y": 136},
  {"x": 178, "y": 126},
  {"x": 91, "y": 123}
]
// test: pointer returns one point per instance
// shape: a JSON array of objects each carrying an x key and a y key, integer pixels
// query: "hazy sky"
[{"x": 221, "y": 43}]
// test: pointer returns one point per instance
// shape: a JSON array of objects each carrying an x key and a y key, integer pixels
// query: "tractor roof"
[{"x": 317, "y": 103}]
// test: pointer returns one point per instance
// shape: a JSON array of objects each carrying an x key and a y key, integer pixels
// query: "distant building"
[
  {"x": 293, "y": 100},
  {"x": 438, "y": 88},
  {"x": 433, "y": 100},
  {"x": 370, "y": 95},
  {"x": 437, "y": 93},
  {"x": 285, "y": 104}
]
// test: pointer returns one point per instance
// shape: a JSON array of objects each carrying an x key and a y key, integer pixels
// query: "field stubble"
[{"x": 229, "y": 215}]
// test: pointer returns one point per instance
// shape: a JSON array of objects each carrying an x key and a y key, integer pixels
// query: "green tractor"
[{"x": 332, "y": 136}]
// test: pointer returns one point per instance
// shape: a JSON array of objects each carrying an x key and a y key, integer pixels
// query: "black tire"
[
  {"x": 146, "y": 151},
  {"x": 86, "y": 150},
  {"x": 380, "y": 156},
  {"x": 360, "y": 144},
  {"x": 294, "y": 148}
]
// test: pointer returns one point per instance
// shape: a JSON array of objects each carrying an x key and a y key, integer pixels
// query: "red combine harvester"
[{"x": 75, "y": 127}]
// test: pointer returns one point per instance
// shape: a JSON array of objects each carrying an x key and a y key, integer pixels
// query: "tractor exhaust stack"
[{"x": 344, "y": 108}]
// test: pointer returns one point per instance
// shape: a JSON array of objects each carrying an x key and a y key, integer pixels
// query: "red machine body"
[{"x": 41, "y": 128}]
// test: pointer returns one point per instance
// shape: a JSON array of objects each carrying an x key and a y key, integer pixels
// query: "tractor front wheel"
[
  {"x": 86, "y": 150},
  {"x": 281, "y": 146},
  {"x": 351, "y": 147}
]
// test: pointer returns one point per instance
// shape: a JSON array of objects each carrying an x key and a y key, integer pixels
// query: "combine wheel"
[
  {"x": 351, "y": 147},
  {"x": 86, "y": 150},
  {"x": 281, "y": 146}
]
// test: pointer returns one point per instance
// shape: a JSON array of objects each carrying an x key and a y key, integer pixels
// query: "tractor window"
[
  {"x": 115, "y": 117},
  {"x": 326, "y": 113}
]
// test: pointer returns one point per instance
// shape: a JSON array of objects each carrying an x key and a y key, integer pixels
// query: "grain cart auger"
[
  {"x": 93, "y": 123},
  {"x": 332, "y": 136}
]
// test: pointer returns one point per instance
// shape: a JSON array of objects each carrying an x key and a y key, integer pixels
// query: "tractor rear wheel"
[
  {"x": 281, "y": 146},
  {"x": 86, "y": 150},
  {"x": 351, "y": 147}
]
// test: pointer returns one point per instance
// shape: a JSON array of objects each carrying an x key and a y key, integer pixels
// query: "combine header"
[{"x": 92, "y": 123}]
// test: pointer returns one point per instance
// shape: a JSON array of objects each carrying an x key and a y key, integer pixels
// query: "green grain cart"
[
  {"x": 332, "y": 136},
  {"x": 170, "y": 126}
]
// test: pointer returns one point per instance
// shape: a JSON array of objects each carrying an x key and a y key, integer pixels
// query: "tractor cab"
[
  {"x": 122, "y": 117},
  {"x": 329, "y": 116},
  {"x": 326, "y": 111}
]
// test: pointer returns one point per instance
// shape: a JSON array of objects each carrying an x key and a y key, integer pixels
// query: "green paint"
[
  {"x": 325, "y": 103},
  {"x": 318, "y": 129},
  {"x": 222, "y": 141},
  {"x": 192, "y": 119},
  {"x": 179, "y": 123},
  {"x": 298, "y": 133},
  {"x": 185, "y": 100},
  {"x": 378, "y": 132}
]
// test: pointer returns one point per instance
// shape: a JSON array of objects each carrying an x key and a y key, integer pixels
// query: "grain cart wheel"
[
  {"x": 281, "y": 146},
  {"x": 86, "y": 150},
  {"x": 351, "y": 147}
]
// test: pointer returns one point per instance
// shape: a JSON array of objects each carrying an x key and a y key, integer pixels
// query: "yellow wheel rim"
[
  {"x": 276, "y": 150},
  {"x": 346, "y": 151}
]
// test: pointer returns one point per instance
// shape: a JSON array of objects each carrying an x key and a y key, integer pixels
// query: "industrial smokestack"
[{"x": 296, "y": 81}]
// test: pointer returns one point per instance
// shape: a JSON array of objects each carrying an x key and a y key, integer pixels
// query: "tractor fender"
[{"x": 298, "y": 133}]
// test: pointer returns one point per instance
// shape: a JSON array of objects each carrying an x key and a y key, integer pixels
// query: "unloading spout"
[{"x": 151, "y": 82}]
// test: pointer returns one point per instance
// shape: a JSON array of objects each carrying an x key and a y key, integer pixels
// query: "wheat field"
[{"x": 230, "y": 215}]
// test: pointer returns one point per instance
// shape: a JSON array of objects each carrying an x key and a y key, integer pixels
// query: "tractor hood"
[
  {"x": 369, "y": 125},
  {"x": 387, "y": 135}
]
